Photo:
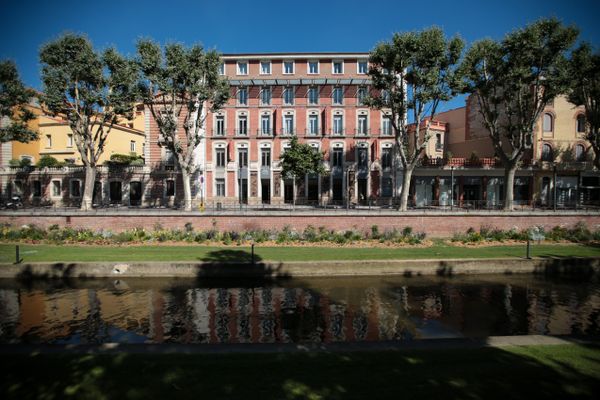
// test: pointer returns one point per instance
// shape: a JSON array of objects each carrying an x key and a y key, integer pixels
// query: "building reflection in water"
[{"x": 298, "y": 312}]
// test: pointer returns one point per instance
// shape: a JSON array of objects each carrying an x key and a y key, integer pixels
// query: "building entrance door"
[
  {"x": 135, "y": 193},
  {"x": 266, "y": 191},
  {"x": 362, "y": 191}
]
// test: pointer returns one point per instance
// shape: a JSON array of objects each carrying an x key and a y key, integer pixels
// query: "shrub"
[
  {"x": 48, "y": 161},
  {"x": 375, "y": 232}
]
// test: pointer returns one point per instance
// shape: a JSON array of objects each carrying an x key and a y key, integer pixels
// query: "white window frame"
[
  {"x": 358, "y": 90},
  {"x": 263, "y": 90},
  {"x": 224, "y": 187},
  {"x": 358, "y": 63},
  {"x": 48, "y": 141},
  {"x": 265, "y": 116},
  {"x": 310, "y": 115},
  {"x": 333, "y": 95},
  {"x": 308, "y": 67},
  {"x": 359, "y": 116},
  {"x": 293, "y": 67},
  {"x": 218, "y": 150},
  {"x": 132, "y": 146},
  {"x": 219, "y": 116},
  {"x": 240, "y": 116},
  {"x": 334, "y": 117},
  {"x": 268, "y": 62},
  {"x": 239, "y": 71},
  {"x": 339, "y": 147},
  {"x": 316, "y": 88},
  {"x": 59, "y": 195},
  {"x": 238, "y": 96},
  {"x": 292, "y": 90},
  {"x": 69, "y": 140},
  {"x": 333, "y": 62},
  {"x": 384, "y": 117},
  {"x": 284, "y": 127},
  {"x": 222, "y": 68},
  {"x": 71, "y": 181}
]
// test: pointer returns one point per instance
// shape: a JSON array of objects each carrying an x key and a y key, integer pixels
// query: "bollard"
[
  {"x": 528, "y": 249},
  {"x": 17, "y": 255}
]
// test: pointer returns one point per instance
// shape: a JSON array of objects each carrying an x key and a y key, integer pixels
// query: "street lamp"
[
  {"x": 554, "y": 187},
  {"x": 452, "y": 188}
]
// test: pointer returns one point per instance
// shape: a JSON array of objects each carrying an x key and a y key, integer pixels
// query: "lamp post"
[
  {"x": 554, "y": 187},
  {"x": 240, "y": 184},
  {"x": 452, "y": 188}
]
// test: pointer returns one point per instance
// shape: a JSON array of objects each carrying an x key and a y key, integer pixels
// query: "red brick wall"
[{"x": 432, "y": 225}]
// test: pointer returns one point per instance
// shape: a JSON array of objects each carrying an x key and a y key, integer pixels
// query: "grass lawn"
[
  {"x": 31, "y": 253},
  {"x": 561, "y": 372}
]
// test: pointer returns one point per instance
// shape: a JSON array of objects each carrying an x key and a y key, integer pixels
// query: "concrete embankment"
[{"x": 576, "y": 266}]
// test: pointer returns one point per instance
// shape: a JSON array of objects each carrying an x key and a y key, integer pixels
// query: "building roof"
[{"x": 302, "y": 55}]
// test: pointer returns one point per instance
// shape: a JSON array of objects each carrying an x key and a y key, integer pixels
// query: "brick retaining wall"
[{"x": 434, "y": 225}]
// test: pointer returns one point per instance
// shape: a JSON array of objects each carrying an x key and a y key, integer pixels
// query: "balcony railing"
[
  {"x": 386, "y": 132},
  {"x": 241, "y": 132},
  {"x": 287, "y": 132},
  {"x": 264, "y": 132},
  {"x": 362, "y": 132}
]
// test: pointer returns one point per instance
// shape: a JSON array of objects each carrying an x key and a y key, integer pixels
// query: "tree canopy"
[
  {"x": 14, "y": 98},
  {"x": 300, "y": 159},
  {"x": 584, "y": 70}
]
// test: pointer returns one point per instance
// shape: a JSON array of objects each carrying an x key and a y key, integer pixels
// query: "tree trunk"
[
  {"x": 88, "y": 187},
  {"x": 187, "y": 190},
  {"x": 407, "y": 176},
  {"x": 509, "y": 184}
]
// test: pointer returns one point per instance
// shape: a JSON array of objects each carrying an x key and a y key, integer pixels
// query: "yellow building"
[{"x": 56, "y": 140}]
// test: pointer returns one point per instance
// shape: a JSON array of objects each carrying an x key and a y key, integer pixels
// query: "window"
[
  {"x": 17, "y": 187},
  {"x": 386, "y": 158},
  {"x": 363, "y": 157},
  {"x": 313, "y": 95},
  {"x": 70, "y": 140},
  {"x": 362, "y": 67},
  {"x": 169, "y": 159},
  {"x": 222, "y": 68},
  {"x": 220, "y": 185},
  {"x": 75, "y": 189},
  {"x": 548, "y": 123},
  {"x": 242, "y": 158},
  {"x": 313, "y": 124},
  {"x": 288, "y": 124},
  {"x": 56, "y": 192},
  {"x": 362, "y": 125},
  {"x": 48, "y": 140},
  {"x": 338, "y": 67},
  {"x": 438, "y": 142},
  {"x": 265, "y": 67},
  {"x": 220, "y": 158},
  {"x": 220, "y": 125},
  {"x": 169, "y": 188},
  {"x": 242, "y": 68},
  {"x": 580, "y": 124},
  {"x": 288, "y": 67},
  {"x": 313, "y": 67},
  {"x": 265, "y": 157},
  {"x": 288, "y": 95},
  {"x": 243, "y": 97},
  {"x": 132, "y": 146},
  {"x": 386, "y": 126},
  {"x": 361, "y": 94},
  {"x": 242, "y": 125},
  {"x": 36, "y": 188},
  {"x": 337, "y": 157},
  {"x": 338, "y": 124},
  {"x": 579, "y": 153},
  {"x": 338, "y": 95},
  {"x": 385, "y": 96},
  {"x": 265, "y": 96},
  {"x": 547, "y": 153},
  {"x": 265, "y": 124}
]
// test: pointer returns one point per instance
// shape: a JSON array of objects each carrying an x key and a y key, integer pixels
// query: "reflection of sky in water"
[{"x": 298, "y": 311}]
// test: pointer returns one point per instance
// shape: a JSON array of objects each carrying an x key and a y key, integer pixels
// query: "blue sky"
[{"x": 269, "y": 26}]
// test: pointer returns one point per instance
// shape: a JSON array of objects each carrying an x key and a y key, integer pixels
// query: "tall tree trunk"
[
  {"x": 88, "y": 187},
  {"x": 509, "y": 184},
  {"x": 187, "y": 190},
  {"x": 407, "y": 176}
]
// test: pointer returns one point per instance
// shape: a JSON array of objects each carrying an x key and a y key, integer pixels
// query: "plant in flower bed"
[
  {"x": 580, "y": 233},
  {"x": 56, "y": 234}
]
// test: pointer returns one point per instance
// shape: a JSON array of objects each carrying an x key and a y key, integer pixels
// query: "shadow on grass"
[
  {"x": 227, "y": 263},
  {"x": 526, "y": 373}
]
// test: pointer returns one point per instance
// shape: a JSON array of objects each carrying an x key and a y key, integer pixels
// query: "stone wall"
[{"x": 433, "y": 224}]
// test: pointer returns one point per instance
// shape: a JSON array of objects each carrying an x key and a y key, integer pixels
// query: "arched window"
[
  {"x": 548, "y": 124},
  {"x": 579, "y": 153},
  {"x": 547, "y": 153},
  {"x": 580, "y": 123}
]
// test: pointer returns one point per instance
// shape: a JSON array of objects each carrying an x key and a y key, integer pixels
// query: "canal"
[{"x": 295, "y": 310}]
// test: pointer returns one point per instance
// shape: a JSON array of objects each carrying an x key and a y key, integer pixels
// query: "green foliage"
[
  {"x": 22, "y": 163},
  {"x": 300, "y": 159},
  {"x": 48, "y": 161},
  {"x": 579, "y": 233},
  {"x": 584, "y": 70},
  {"x": 125, "y": 159},
  {"x": 513, "y": 80},
  {"x": 14, "y": 97}
]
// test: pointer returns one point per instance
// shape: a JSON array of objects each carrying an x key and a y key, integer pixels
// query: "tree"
[
  {"x": 412, "y": 74},
  {"x": 92, "y": 90},
  {"x": 301, "y": 159},
  {"x": 181, "y": 83},
  {"x": 14, "y": 97},
  {"x": 584, "y": 69},
  {"x": 513, "y": 80}
]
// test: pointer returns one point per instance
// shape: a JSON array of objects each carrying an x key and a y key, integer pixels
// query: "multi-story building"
[{"x": 316, "y": 97}]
